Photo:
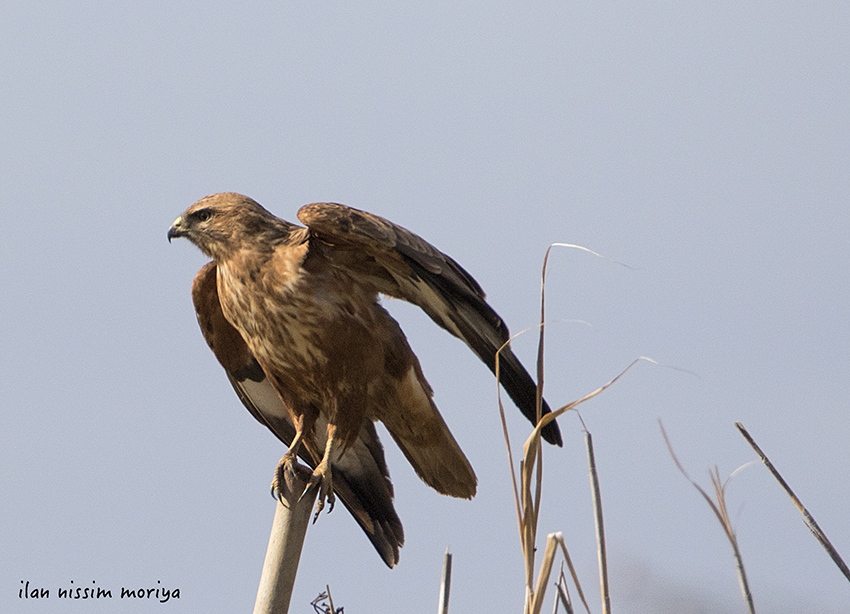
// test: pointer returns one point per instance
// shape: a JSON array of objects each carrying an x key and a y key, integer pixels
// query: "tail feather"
[{"x": 425, "y": 440}]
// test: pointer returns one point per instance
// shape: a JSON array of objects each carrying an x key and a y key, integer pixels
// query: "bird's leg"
[
  {"x": 290, "y": 458},
  {"x": 323, "y": 473}
]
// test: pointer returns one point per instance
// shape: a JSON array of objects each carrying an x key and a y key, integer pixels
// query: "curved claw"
[
  {"x": 307, "y": 489},
  {"x": 322, "y": 478},
  {"x": 288, "y": 477}
]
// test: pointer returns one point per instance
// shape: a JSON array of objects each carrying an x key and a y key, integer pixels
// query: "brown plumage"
[{"x": 295, "y": 311}]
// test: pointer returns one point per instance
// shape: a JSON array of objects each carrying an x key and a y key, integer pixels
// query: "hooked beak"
[{"x": 177, "y": 230}]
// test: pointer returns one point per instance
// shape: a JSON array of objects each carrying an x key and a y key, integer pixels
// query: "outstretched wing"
[
  {"x": 405, "y": 266},
  {"x": 361, "y": 478}
]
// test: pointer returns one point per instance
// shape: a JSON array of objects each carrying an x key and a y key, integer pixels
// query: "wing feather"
[{"x": 403, "y": 265}]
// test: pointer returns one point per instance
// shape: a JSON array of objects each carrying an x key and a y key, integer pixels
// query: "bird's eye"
[{"x": 203, "y": 215}]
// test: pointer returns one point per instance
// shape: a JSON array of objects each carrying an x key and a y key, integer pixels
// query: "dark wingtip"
[{"x": 551, "y": 432}]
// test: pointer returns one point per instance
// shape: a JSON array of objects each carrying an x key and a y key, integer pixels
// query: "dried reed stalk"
[
  {"x": 527, "y": 503},
  {"x": 807, "y": 517},
  {"x": 720, "y": 510}
]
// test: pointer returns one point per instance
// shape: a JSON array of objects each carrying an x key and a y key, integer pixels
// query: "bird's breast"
[
  {"x": 318, "y": 337},
  {"x": 279, "y": 318}
]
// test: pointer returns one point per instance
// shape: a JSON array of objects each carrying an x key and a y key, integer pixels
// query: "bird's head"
[{"x": 222, "y": 224}]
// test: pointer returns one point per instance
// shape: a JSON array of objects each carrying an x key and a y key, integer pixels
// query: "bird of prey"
[{"x": 293, "y": 316}]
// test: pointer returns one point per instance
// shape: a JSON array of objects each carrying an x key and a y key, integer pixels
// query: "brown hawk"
[{"x": 293, "y": 316}]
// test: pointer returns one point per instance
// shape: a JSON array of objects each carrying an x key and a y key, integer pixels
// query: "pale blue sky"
[{"x": 705, "y": 145}]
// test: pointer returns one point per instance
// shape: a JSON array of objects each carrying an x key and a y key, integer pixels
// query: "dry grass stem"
[
  {"x": 330, "y": 599},
  {"x": 528, "y": 489},
  {"x": 545, "y": 572},
  {"x": 721, "y": 511},
  {"x": 573, "y": 573},
  {"x": 600, "y": 527},
  {"x": 324, "y": 603},
  {"x": 445, "y": 584},
  {"x": 589, "y": 251},
  {"x": 535, "y": 599},
  {"x": 563, "y": 593},
  {"x": 807, "y": 517}
]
